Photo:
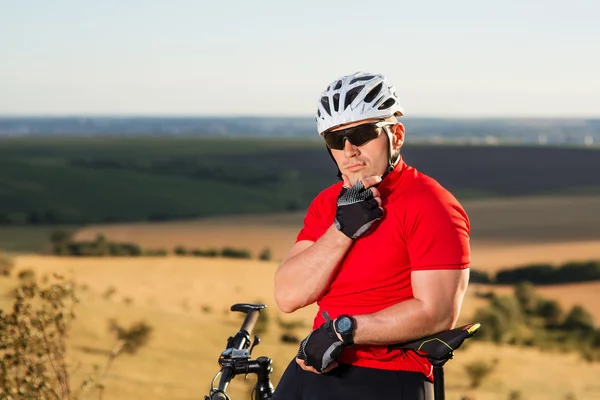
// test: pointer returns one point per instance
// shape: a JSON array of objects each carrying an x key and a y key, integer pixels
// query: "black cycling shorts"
[{"x": 349, "y": 382}]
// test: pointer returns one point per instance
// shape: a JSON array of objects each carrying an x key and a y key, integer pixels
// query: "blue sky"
[{"x": 459, "y": 58}]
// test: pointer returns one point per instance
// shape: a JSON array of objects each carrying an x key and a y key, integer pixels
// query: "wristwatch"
[{"x": 345, "y": 325}]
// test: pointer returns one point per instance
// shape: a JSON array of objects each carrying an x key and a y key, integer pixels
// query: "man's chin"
[{"x": 355, "y": 178}]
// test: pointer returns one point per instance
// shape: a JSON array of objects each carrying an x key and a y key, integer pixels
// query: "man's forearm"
[
  {"x": 301, "y": 279},
  {"x": 401, "y": 322}
]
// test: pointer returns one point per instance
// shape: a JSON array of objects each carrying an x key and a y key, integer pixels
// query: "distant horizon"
[{"x": 273, "y": 116}]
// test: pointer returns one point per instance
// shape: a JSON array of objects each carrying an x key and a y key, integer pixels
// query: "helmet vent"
[
  {"x": 338, "y": 85},
  {"x": 351, "y": 95},
  {"x": 362, "y": 78},
  {"x": 336, "y": 102},
  {"x": 387, "y": 104},
  {"x": 325, "y": 103},
  {"x": 373, "y": 93}
]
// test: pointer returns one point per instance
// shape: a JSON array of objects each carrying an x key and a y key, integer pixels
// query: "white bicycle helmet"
[{"x": 356, "y": 97}]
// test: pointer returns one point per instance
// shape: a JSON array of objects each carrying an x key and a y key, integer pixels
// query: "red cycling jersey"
[{"x": 423, "y": 227}]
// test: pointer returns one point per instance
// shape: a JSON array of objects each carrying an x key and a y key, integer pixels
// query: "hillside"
[
  {"x": 504, "y": 231},
  {"x": 186, "y": 301},
  {"x": 91, "y": 180}
]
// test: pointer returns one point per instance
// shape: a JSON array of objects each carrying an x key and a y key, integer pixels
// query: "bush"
[
  {"x": 130, "y": 339},
  {"x": 124, "y": 249},
  {"x": 510, "y": 308},
  {"x": 596, "y": 339},
  {"x": 289, "y": 325},
  {"x": 156, "y": 252},
  {"x": 577, "y": 272},
  {"x": 478, "y": 371},
  {"x": 544, "y": 274},
  {"x": 205, "y": 253},
  {"x": 180, "y": 251},
  {"x": 527, "y": 319},
  {"x": 235, "y": 253},
  {"x": 110, "y": 291},
  {"x": 477, "y": 276},
  {"x": 59, "y": 237},
  {"x": 550, "y": 311},
  {"x": 206, "y": 309},
  {"x": 289, "y": 338},
  {"x": 579, "y": 320},
  {"x": 101, "y": 247},
  {"x": 6, "y": 265},
  {"x": 515, "y": 395},
  {"x": 485, "y": 295},
  {"x": 525, "y": 294},
  {"x": 265, "y": 255},
  {"x": 493, "y": 325},
  {"x": 26, "y": 275},
  {"x": 34, "y": 341},
  {"x": 538, "y": 273}
]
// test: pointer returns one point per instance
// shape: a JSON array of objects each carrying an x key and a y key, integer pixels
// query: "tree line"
[
  {"x": 64, "y": 245},
  {"x": 541, "y": 274},
  {"x": 525, "y": 318}
]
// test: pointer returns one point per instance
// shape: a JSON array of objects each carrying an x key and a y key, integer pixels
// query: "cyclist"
[{"x": 385, "y": 254}]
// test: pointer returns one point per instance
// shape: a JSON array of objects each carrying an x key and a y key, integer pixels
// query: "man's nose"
[{"x": 350, "y": 150}]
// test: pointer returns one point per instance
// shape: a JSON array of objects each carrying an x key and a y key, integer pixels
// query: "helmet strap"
[{"x": 339, "y": 173}]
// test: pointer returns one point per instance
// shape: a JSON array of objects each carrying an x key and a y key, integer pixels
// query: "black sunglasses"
[{"x": 357, "y": 135}]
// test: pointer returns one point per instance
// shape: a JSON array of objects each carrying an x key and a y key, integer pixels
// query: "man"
[{"x": 385, "y": 254}]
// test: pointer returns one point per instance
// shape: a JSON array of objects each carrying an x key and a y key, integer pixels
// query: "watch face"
[{"x": 344, "y": 324}]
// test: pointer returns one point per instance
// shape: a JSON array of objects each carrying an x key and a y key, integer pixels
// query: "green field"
[
  {"x": 91, "y": 180},
  {"x": 73, "y": 180}
]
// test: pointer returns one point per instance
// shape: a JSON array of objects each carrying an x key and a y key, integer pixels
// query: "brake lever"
[{"x": 255, "y": 343}]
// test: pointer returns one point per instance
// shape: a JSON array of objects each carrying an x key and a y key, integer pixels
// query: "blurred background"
[{"x": 157, "y": 159}]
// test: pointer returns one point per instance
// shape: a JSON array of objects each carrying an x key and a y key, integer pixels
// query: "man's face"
[{"x": 359, "y": 162}]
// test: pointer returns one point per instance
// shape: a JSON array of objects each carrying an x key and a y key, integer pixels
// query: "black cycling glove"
[
  {"x": 321, "y": 347},
  {"x": 356, "y": 211}
]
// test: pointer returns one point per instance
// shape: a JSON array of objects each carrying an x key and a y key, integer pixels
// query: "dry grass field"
[
  {"x": 186, "y": 300},
  {"x": 505, "y": 232}
]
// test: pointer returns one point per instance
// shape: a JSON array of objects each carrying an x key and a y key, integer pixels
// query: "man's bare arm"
[
  {"x": 306, "y": 272},
  {"x": 438, "y": 296}
]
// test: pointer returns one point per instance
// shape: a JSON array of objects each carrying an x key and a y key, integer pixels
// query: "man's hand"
[
  {"x": 319, "y": 350},
  {"x": 305, "y": 367},
  {"x": 358, "y": 206}
]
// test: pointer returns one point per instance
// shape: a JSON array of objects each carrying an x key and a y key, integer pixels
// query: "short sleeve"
[
  {"x": 437, "y": 231},
  {"x": 310, "y": 229}
]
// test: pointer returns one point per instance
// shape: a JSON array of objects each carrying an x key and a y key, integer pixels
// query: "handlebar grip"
[{"x": 226, "y": 375}]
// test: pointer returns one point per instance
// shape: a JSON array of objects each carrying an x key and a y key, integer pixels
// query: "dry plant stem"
[
  {"x": 63, "y": 365},
  {"x": 63, "y": 388},
  {"x": 113, "y": 355},
  {"x": 17, "y": 354}
]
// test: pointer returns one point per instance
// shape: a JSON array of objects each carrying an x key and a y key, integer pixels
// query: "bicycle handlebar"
[
  {"x": 235, "y": 359},
  {"x": 226, "y": 375}
]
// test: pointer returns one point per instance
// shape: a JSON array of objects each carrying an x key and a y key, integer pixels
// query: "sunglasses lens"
[
  {"x": 334, "y": 141},
  {"x": 357, "y": 135}
]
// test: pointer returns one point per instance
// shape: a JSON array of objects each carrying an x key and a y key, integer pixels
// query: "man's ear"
[{"x": 398, "y": 135}]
